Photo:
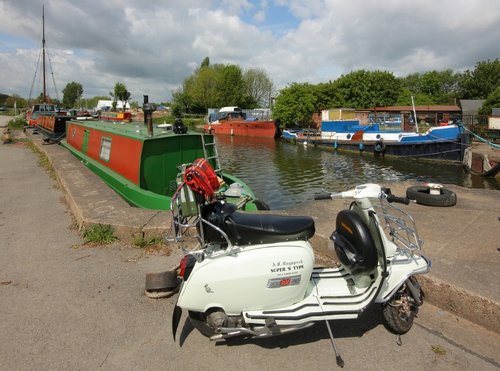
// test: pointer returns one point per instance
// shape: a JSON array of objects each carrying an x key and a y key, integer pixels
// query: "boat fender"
[
  {"x": 379, "y": 146},
  {"x": 361, "y": 147},
  {"x": 432, "y": 195}
]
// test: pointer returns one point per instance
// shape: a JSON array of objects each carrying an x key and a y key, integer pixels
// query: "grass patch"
[
  {"x": 142, "y": 242},
  {"x": 43, "y": 160},
  {"x": 17, "y": 123},
  {"x": 438, "y": 350},
  {"x": 152, "y": 246},
  {"x": 99, "y": 234}
]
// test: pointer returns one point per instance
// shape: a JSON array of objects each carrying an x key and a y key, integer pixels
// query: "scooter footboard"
[
  {"x": 400, "y": 272},
  {"x": 332, "y": 297}
]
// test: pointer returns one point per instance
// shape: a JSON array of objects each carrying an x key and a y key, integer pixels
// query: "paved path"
[
  {"x": 66, "y": 306},
  {"x": 4, "y": 120}
]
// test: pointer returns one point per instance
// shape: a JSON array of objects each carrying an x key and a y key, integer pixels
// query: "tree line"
[
  {"x": 362, "y": 89},
  {"x": 72, "y": 97},
  {"x": 218, "y": 85}
]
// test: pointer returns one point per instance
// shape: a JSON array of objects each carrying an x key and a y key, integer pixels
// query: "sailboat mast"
[{"x": 43, "y": 56}]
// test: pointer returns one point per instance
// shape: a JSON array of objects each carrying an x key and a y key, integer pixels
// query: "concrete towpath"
[{"x": 462, "y": 241}]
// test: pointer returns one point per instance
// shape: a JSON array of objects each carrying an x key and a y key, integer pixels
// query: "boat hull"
[
  {"x": 52, "y": 128},
  {"x": 443, "y": 143},
  {"x": 244, "y": 128},
  {"x": 141, "y": 169},
  {"x": 436, "y": 150}
]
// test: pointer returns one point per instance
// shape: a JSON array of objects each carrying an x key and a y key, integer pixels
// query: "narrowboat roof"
[{"x": 134, "y": 129}]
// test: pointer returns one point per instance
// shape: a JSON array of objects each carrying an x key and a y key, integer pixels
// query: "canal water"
[{"x": 284, "y": 174}]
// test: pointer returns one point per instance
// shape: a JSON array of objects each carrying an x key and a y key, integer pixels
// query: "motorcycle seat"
[{"x": 249, "y": 229}]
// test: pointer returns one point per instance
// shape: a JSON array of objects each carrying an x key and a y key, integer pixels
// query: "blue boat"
[{"x": 446, "y": 142}]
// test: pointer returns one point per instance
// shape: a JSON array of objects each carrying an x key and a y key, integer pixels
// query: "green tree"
[
  {"x": 17, "y": 99},
  {"x": 404, "y": 98},
  {"x": 181, "y": 102},
  {"x": 434, "y": 87},
  {"x": 328, "y": 96},
  {"x": 258, "y": 88},
  {"x": 205, "y": 62},
  {"x": 217, "y": 85},
  {"x": 482, "y": 81},
  {"x": 295, "y": 105},
  {"x": 72, "y": 92},
  {"x": 493, "y": 101},
  {"x": 120, "y": 93},
  {"x": 203, "y": 87},
  {"x": 364, "y": 89},
  {"x": 231, "y": 86}
]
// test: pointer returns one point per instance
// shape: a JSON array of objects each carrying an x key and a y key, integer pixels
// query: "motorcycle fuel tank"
[{"x": 253, "y": 278}]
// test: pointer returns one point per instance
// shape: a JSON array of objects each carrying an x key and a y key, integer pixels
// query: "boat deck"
[{"x": 133, "y": 129}]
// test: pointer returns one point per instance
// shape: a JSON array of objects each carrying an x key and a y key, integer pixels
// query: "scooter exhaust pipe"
[{"x": 261, "y": 332}]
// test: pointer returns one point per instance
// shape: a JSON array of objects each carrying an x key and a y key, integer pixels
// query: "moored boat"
[
  {"x": 233, "y": 121},
  {"x": 116, "y": 116},
  {"x": 447, "y": 142},
  {"x": 142, "y": 162},
  {"x": 52, "y": 127},
  {"x": 44, "y": 108}
]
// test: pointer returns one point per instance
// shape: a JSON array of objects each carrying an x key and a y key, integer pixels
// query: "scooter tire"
[
  {"x": 422, "y": 195},
  {"x": 396, "y": 318},
  {"x": 396, "y": 322},
  {"x": 199, "y": 323}
]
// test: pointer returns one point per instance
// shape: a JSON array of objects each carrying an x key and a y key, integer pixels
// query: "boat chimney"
[{"x": 148, "y": 109}]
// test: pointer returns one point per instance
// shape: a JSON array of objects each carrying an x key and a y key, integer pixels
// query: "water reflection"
[{"x": 284, "y": 175}]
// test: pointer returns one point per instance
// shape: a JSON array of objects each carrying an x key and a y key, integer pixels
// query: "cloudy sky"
[{"x": 152, "y": 46}]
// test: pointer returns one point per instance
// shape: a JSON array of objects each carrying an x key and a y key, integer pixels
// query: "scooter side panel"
[{"x": 257, "y": 277}]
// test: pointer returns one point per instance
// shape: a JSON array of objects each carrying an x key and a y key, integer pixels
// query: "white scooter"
[{"x": 254, "y": 275}]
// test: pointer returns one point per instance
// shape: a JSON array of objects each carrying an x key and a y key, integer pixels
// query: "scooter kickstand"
[{"x": 340, "y": 361}]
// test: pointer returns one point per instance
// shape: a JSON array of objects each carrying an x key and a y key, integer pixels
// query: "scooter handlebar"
[
  {"x": 323, "y": 196},
  {"x": 399, "y": 200},
  {"x": 327, "y": 196}
]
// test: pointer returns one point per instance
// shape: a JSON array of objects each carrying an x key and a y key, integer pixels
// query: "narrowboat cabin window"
[{"x": 105, "y": 148}]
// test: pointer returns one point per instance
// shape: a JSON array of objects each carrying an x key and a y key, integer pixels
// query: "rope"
[
  {"x": 52, "y": 73},
  {"x": 36, "y": 70},
  {"x": 482, "y": 139},
  {"x": 431, "y": 154}
]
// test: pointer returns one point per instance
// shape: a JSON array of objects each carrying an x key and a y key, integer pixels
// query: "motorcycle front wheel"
[{"x": 400, "y": 311}]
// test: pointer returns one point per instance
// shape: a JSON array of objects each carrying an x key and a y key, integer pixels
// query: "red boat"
[{"x": 233, "y": 121}]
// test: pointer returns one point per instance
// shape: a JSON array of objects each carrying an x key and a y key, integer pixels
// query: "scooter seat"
[{"x": 249, "y": 229}]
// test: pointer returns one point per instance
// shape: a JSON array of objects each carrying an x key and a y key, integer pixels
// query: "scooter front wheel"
[
  {"x": 400, "y": 311},
  {"x": 199, "y": 322}
]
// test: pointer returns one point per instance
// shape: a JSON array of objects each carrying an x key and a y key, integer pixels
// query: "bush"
[{"x": 17, "y": 123}]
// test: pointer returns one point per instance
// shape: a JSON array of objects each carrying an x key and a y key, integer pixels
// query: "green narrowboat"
[{"x": 142, "y": 162}]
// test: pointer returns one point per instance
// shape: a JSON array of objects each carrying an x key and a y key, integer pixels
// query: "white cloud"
[{"x": 153, "y": 46}]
